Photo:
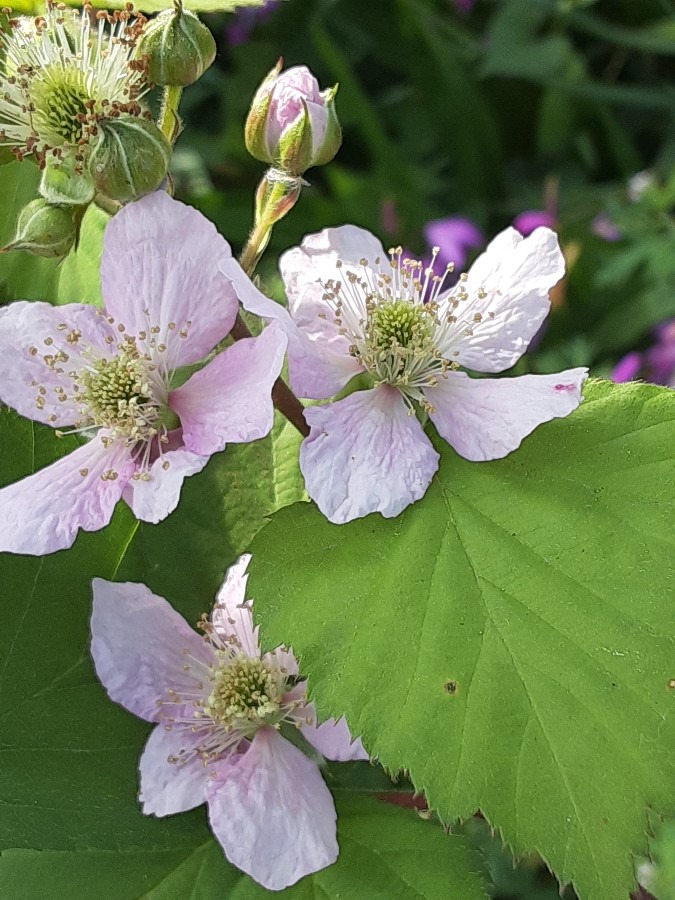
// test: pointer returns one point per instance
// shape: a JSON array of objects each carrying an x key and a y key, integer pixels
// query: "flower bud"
[
  {"x": 45, "y": 229},
  {"x": 292, "y": 125},
  {"x": 130, "y": 159},
  {"x": 178, "y": 48}
]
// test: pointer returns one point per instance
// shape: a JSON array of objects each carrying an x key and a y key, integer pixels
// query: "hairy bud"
[
  {"x": 130, "y": 159},
  {"x": 178, "y": 48},
  {"x": 292, "y": 125},
  {"x": 45, "y": 229}
]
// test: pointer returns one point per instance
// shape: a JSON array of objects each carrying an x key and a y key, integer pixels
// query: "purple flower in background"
[
  {"x": 219, "y": 703},
  {"x": 464, "y": 6},
  {"x": 454, "y": 236},
  {"x": 107, "y": 375},
  {"x": 525, "y": 222},
  {"x": 242, "y": 23},
  {"x": 354, "y": 309},
  {"x": 657, "y": 364},
  {"x": 604, "y": 228}
]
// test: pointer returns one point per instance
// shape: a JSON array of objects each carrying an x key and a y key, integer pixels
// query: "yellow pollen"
[{"x": 246, "y": 695}]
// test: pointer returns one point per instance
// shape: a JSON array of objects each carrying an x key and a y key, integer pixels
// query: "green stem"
[
  {"x": 274, "y": 198},
  {"x": 169, "y": 123}
]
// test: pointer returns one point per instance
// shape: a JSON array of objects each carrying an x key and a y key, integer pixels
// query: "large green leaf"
[
  {"x": 509, "y": 639},
  {"x": 385, "y": 854}
]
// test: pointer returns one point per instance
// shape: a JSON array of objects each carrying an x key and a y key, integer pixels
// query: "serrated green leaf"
[
  {"x": 508, "y": 639},
  {"x": 385, "y": 854}
]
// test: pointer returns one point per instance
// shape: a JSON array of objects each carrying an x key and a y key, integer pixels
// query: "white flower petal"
[
  {"x": 365, "y": 454},
  {"x": 486, "y": 418},
  {"x": 272, "y": 812},
  {"x": 140, "y": 646},
  {"x": 515, "y": 275}
]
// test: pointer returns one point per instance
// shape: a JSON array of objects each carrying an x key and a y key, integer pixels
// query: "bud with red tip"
[{"x": 292, "y": 125}]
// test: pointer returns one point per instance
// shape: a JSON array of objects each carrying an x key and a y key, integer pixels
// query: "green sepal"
[
  {"x": 332, "y": 139},
  {"x": 45, "y": 229},
  {"x": 65, "y": 181},
  {"x": 296, "y": 144},
  {"x": 255, "y": 129}
]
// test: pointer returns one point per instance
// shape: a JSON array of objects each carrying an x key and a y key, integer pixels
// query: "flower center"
[
  {"x": 399, "y": 324},
  {"x": 118, "y": 395},
  {"x": 246, "y": 694},
  {"x": 62, "y": 104}
]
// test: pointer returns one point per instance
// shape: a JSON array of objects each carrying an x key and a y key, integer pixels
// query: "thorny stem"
[{"x": 282, "y": 396}]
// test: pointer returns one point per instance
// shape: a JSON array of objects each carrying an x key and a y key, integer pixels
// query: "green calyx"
[
  {"x": 178, "y": 48},
  {"x": 46, "y": 229},
  {"x": 130, "y": 159}
]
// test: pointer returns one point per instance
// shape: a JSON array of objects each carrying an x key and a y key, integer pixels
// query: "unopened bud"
[
  {"x": 45, "y": 229},
  {"x": 178, "y": 48},
  {"x": 292, "y": 125},
  {"x": 131, "y": 158}
]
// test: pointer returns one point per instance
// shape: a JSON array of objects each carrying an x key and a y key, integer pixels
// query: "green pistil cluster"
[
  {"x": 399, "y": 342},
  {"x": 246, "y": 695},
  {"x": 400, "y": 323},
  {"x": 117, "y": 395},
  {"x": 62, "y": 104}
]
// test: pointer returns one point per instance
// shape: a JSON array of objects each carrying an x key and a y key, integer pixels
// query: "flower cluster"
[{"x": 166, "y": 374}]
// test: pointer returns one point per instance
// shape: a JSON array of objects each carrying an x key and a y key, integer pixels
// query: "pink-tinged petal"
[
  {"x": 285, "y": 660},
  {"x": 154, "y": 498},
  {"x": 488, "y": 418},
  {"x": 171, "y": 787},
  {"x": 231, "y": 615},
  {"x": 507, "y": 290},
  {"x": 365, "y": 454},
  {"x": 31, "y": 335},
  {"x": 304, "y": 268},
  {"x": 332, "y": 739},
  {"x": 318, "y": 365},
  {"x": 272, "y": 813},
  {"x": 140, "y": 646},
  {"x": 230, "y": 399},
  {"x": 44, "y": 511},
  {"x": 159, "y": 269}
]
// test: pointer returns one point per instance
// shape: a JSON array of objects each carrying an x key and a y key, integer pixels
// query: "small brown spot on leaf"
[{"x": 450, "y": 687}]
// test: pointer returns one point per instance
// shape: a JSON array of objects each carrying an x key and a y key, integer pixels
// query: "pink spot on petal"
[{"x": 565, "y": 387}]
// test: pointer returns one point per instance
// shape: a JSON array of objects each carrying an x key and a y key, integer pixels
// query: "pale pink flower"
[
  {"x": 219, "y": 705},
  {"x": 356, "y": 310},
  {"x": 107, "y": 374}
]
